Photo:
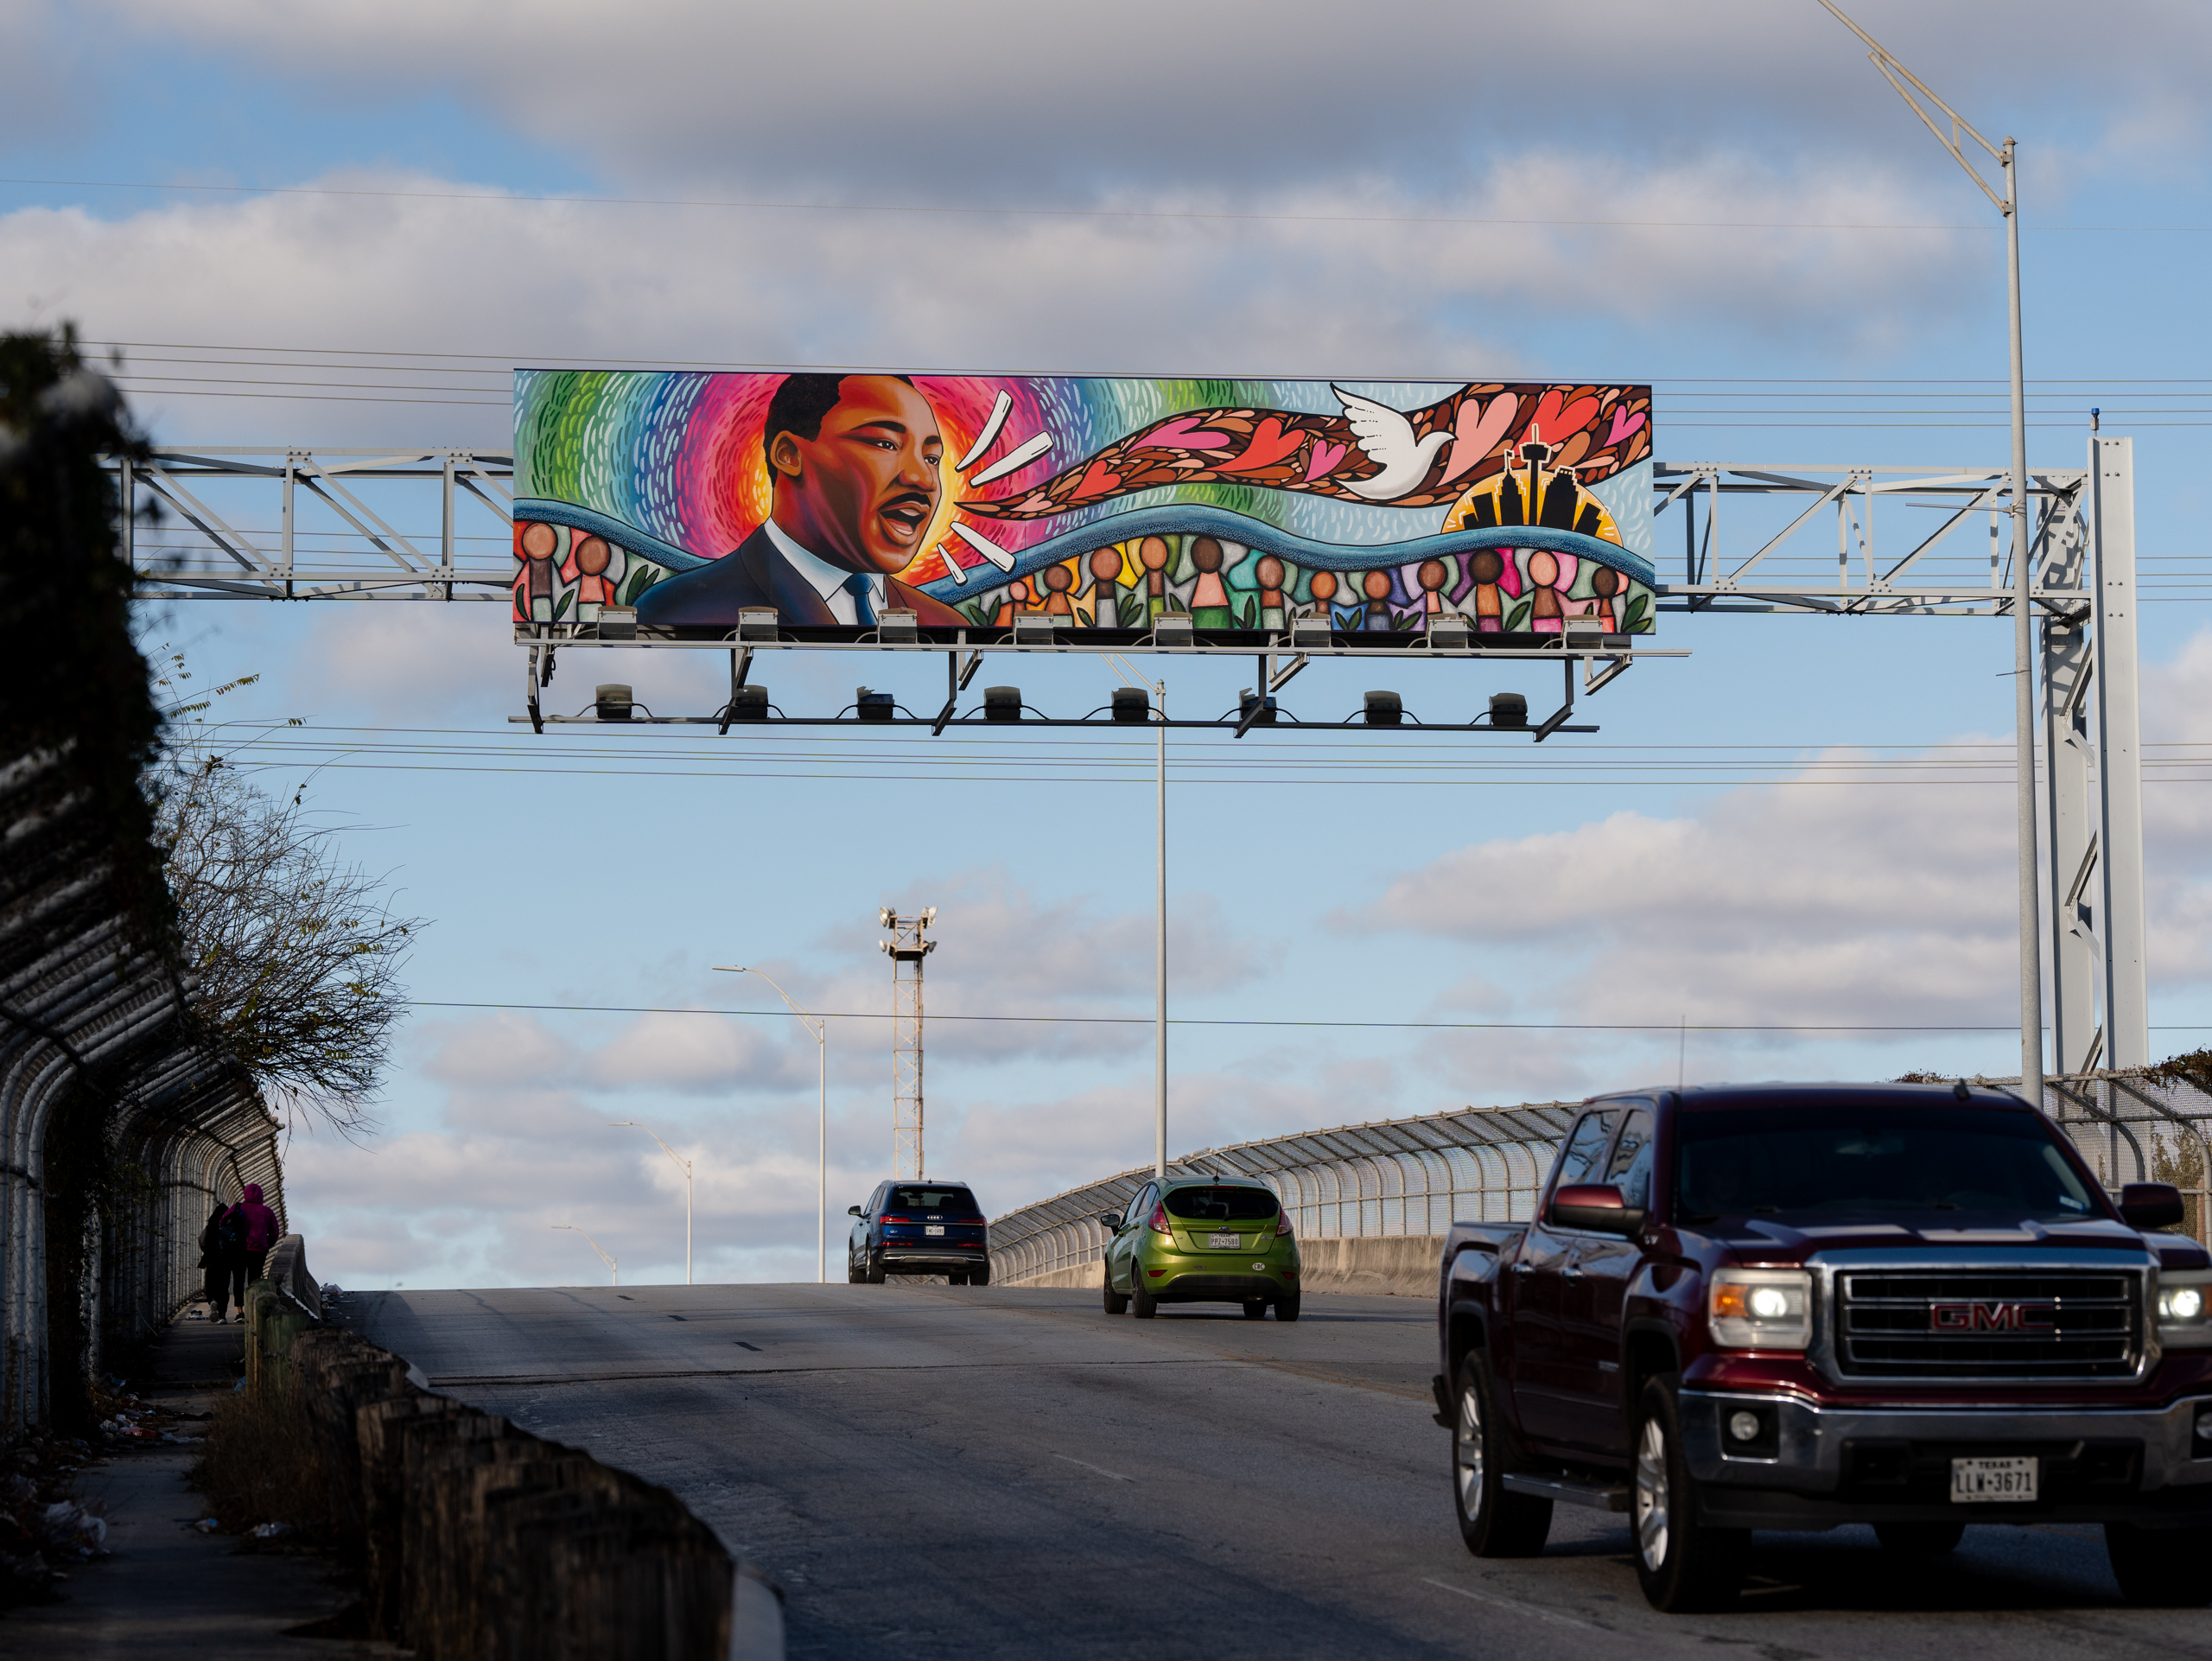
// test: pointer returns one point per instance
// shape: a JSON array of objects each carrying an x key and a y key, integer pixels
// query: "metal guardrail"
[{"x": 1392, "y": 1176}]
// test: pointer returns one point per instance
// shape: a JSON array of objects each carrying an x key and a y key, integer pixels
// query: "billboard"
[{"x": 1100, "y": 503}]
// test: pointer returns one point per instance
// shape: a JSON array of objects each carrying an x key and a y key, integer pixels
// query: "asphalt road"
[{"x": 935, "y": 1471}]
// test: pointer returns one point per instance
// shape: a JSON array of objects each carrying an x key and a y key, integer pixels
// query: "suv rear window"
[
  {"x": 1223, "y": 1205},
  {"x": 1859, "y": 1158},
  {"x": 958, "y": 1200}
]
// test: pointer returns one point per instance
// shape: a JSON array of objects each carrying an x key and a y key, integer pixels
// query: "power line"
[
  {"x": 1195, "y": 1021},
  {"x": 957, "y": 210}
]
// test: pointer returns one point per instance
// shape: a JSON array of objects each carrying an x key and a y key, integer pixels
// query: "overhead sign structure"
[{"x": 848, "y": 504}]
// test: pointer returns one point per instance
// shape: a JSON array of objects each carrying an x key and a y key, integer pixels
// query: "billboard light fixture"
[
  {"x": 873, "y": 705},
  {"x": 1383, "y": 710},
  {"x": 612, "y": 702},
  {"x": 1033, "y": 627},
  {"x": 749, "y": 703},
  {"x": 1451, "y": 632},
  {"x": 617, "y": 623},
  {"x": 1307, "y": 632},
  {"x": 1174, "y": 629},
  {"x": 1583, "y": 635},
  {"x": 1001, "y": 704},
  {"x": 1509, "y": 710},
  {"x": 1131, "y": 703},
  {"x": 904, "y": 626},
  {"x": 758, "y": 623}
]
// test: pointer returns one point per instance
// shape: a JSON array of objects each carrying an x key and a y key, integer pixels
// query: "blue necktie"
[{"x": 863, "y": 613}]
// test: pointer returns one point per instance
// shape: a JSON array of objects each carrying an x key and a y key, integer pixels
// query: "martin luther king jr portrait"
[{"x": 854, "y": 465}]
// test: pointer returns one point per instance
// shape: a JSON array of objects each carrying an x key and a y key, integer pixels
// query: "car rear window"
[
  {"x": 1224, "y": 1204},
  {"x": 1845, "y": 1158},
  {"x": 957, "y": 1201}
]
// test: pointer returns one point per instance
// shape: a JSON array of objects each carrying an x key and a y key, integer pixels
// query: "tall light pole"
[
  {"x": 819, "y": 1027},
  {"x": 612, "y": 1268},
  {"x": 682, "y": 1164},
  {"x": 1907, "y": 84}
]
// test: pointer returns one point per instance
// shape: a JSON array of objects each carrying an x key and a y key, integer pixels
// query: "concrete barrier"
[
  {"x": 480, "y": 1542},
  {"x": 1389, "y": 1265}
]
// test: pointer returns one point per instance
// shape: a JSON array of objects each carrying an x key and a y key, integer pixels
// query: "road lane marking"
[
  {"x": 1515, "y": 1604},
  {"x": 484, "y": 1381},
  {"x": 1101, "y": 1469}
]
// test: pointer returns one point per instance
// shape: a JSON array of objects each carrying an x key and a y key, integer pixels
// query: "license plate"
[
  {"x": 932, "y": 1228},
  {"x": 1225, "y": 1242},
  {"x": 1980, "y": 1480}
]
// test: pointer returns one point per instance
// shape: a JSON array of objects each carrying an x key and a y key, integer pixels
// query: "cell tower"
[{"x": 907, "y": 948}]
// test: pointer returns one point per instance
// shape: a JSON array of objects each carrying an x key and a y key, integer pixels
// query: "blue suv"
[{"x": 920, "y": 1228}]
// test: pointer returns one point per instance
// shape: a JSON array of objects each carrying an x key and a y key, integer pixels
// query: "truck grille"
[{"x": 1987, "y": 1324}]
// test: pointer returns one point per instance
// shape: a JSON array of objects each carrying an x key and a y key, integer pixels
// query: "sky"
[{"x": 1790, "y": 854}]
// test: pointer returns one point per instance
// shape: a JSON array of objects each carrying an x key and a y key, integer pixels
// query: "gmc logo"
[{"x": 1991, "y": 1317}]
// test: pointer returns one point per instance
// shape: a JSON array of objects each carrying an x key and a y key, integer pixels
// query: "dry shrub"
[{"x": 260, "y": 1464}]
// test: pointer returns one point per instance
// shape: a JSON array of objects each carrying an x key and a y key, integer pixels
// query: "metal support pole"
[
  {"x": 2119, "y": 768},
  {"x": 821, "y": 1191},
  {"x": 2024, "y": 706},
  {"x": 1160, "y": 954}
]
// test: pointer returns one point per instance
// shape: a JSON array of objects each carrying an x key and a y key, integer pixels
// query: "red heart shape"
[
  {"x": 1098, "y": 480},
  {"x": 1270, "y": 445}
]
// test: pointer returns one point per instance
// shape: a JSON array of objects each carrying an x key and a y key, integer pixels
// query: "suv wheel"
[
  {"x": 979, "y": 1276},
  {"x": 1493, "y": 1522},
  {"x": 955, "y": 1279},
  {"x": 874, "y": 1272},
  {"x": 1117, "y": 1303},
  {"x": 2160, "y": 1568},
  {"x": 1683, "y": 1565},
  {"x": 853, "y": 1275}
]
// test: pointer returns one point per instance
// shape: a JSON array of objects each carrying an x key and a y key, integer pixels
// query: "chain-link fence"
[
  {"x": 1395, "y": 1176},
  {"x": 1419, "y": 1175}
]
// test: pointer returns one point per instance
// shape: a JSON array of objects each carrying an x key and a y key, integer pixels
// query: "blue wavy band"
[
  {"x": 1196, "y": 520},
  {"x": 618, "y": 531}
]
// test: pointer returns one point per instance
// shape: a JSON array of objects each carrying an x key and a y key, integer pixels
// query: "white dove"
[{"x": 1387, "y": 437}]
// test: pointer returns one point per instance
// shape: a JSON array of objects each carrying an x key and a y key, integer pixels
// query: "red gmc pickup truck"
[{"x": 1792, "y": 1307}]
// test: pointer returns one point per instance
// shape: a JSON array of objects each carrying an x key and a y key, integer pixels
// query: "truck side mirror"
[
  {"x": 2150, "y": 1204},
  {"x": 855, "y": 1211},
  {"x": 1596, "y": 1206}
]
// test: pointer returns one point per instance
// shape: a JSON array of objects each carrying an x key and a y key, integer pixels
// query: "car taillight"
[
  {"x": 1157, "y": 1224},
  {"x": 1282, "y": 1223},
  {"x": 895, "y": 1220}
]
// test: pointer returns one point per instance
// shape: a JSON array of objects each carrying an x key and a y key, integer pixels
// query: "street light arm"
[
  {"x": 1907, "y": 84},
  {"x": 815, "y": 1029},
  {"x": 683, "y": 1164}
]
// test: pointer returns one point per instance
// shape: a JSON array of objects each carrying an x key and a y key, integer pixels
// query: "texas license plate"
[
  {"x": 932, "y": 1228},
  {"x": 1980, "y": 1480},
  {"x": 1224, "y": 1242}
]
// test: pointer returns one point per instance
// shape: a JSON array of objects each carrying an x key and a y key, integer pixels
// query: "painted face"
[{"x": 861, "y": 491}]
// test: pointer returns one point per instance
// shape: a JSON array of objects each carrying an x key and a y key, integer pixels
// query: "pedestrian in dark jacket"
[
  {"x": 214, "y": 1278},
  {"x": 243, "y": 1234}
]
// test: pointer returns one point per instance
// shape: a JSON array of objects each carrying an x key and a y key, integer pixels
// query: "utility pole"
[
  {"x": 1907, "y": 84},
  {"x": 907, "y": 948}
]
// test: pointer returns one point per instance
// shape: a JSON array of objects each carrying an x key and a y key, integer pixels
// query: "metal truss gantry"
[{"x": 434, "y": 523}]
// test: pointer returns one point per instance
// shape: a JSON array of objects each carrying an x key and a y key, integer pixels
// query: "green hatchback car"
[{"x": 1202, "y": 1240}]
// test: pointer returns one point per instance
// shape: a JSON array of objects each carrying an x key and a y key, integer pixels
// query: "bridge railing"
[{"x": 1391, "y": 1176}]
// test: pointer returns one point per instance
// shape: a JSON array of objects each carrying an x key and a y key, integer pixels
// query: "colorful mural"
[{"x": 1101, "y": 502}]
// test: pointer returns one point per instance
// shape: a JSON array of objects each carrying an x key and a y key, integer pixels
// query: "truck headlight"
[
  {"x": 1760, "y": 1308},
  {"x": 2185, "y": 1309}
]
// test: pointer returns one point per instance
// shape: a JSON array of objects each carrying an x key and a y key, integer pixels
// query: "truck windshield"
[{"x": 1843, "y": 1158}]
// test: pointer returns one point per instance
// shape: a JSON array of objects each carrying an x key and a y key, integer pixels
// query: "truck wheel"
[
  {"x": 1493, "y": 1522},
  {"x": 1920, "y": 1539},
  {"x": 1683, "y": 1565},
  {"x": 1117, "y": 1303},
  {"x": 1142, "y": 1304},
  {"x": 2160, "y": 1568}
]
